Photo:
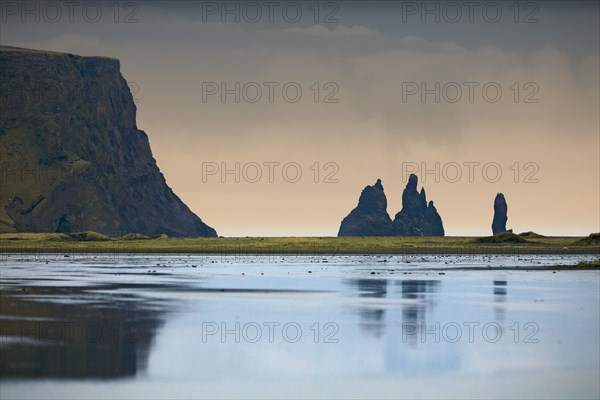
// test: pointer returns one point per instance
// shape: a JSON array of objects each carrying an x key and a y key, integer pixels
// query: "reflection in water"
[
  {"x": 85, "y": 338},
  {"x": 391, "y": 317},
  {"x": 413, "y": 311},
  {"x": 500, "y": 291},
  {"x": 131, "y": 304},
  {"x": 372, "y": 319}
]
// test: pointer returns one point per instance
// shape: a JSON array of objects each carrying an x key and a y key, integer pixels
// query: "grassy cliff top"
[
  {"x": 12, "y": 49},
  {"x": 22, "y": 50}
]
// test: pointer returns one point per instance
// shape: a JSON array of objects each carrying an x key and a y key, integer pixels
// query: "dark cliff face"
[
  {"x": 500, "y": 214},
  {"x": 370, "y": 217},
  {"x": 72, "y": 156},
  {"x": 417, "y": 218}
]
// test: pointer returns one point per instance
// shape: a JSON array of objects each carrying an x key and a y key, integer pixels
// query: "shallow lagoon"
[{"x": 260, "y": 326}]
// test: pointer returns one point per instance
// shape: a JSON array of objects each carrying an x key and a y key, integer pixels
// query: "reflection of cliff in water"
[{"x": 76, "y": 334}]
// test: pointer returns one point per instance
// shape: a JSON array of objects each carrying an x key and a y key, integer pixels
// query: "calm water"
[{"x": 150, "y": 326}]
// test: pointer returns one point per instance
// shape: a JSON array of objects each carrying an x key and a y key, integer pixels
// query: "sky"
[{"x": 269, "y": 118}]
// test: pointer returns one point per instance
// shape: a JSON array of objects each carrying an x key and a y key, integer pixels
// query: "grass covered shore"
[{"x": 91, "y": 242}]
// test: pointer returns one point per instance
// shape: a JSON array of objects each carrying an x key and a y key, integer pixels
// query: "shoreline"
[
  {"x": 370, "y": 262},
  {"x": 398, "y": 245}
]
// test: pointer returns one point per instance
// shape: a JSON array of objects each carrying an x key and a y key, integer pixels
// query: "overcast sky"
[{"x": 518, "y": 93}]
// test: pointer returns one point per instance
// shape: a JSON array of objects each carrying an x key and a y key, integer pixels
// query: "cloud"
[
  {"x": 370, "y": 131},
  {"x": 339, "y": 31}
]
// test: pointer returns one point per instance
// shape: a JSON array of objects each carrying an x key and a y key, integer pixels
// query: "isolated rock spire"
[{"x": 500, "y": 214}]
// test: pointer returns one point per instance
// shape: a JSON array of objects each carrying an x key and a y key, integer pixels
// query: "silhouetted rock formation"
[
  {"x": 500, "y": 215},
  {"x": 72, "y": 156},
  {"x": 417, "y": 218},
  {"x": 370, "y": 217}
]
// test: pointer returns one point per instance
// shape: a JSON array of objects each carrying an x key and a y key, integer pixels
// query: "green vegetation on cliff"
[{"x": 72, "y": 157}]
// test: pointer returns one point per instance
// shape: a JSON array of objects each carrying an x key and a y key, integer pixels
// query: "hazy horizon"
[{"x": 369, "y": 120}]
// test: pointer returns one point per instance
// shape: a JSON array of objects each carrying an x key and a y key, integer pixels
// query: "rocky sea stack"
[
  {"x": 72, "y": 156},
  {"x": 500, "y": 215},
  {"x": 417, "y": 217},
  {"x": 370, "y": 217}
]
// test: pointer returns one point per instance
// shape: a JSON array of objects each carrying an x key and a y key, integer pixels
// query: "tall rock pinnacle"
[
  {"x": 417, "y": 218},
  {"x": 500, "y": 214}
]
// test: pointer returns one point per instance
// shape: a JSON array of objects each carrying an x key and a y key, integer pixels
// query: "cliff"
[{"x": 72, "y": 157}]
